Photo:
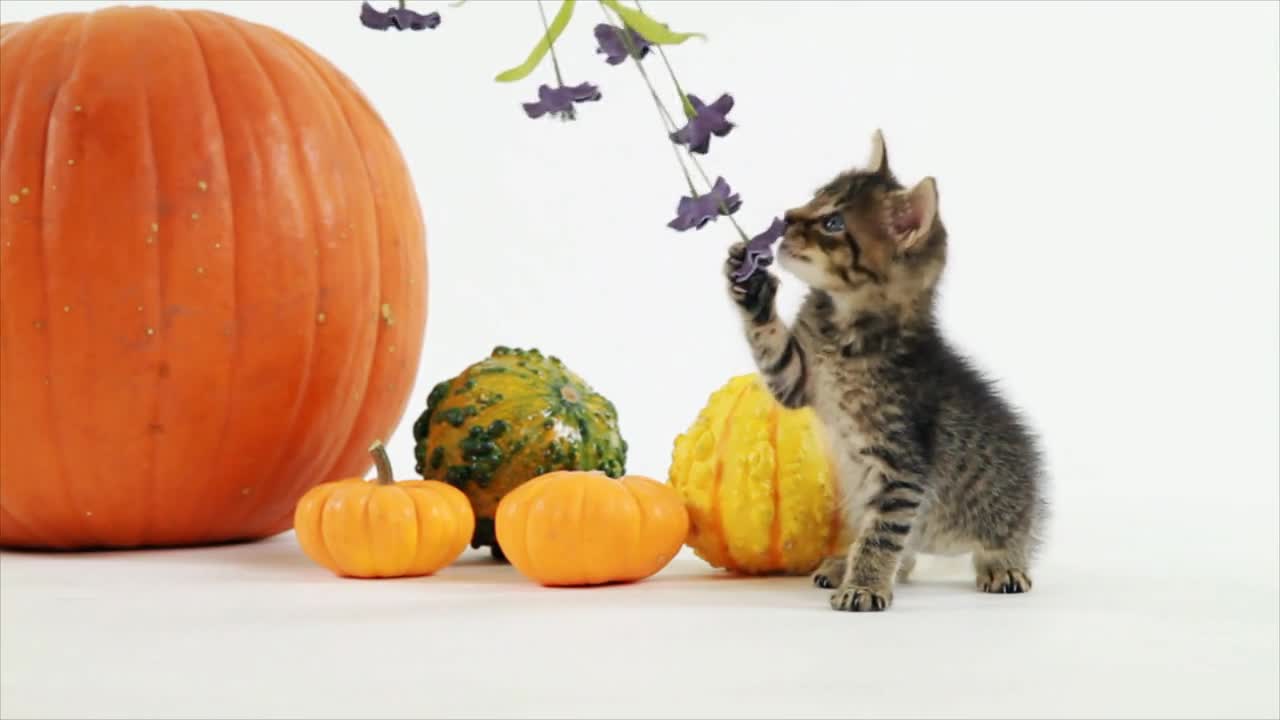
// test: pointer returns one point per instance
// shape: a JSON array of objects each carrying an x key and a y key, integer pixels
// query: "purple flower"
[
  {"x": 697, "y": 211},
  {"x": 400, "y": 18},
  {"x": 614, "y": 44},
  {"x": 760, "y": 250},
  {"x": 559, "y": 101},
  {"x": 708, "y": 120}
]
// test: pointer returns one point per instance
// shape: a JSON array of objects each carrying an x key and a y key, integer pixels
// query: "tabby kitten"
[{"x": 931, "y": 459}]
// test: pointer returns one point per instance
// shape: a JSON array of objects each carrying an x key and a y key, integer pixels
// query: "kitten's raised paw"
[
  {"x": 754, "y": 292},
  {"x": 829, "y": 573},
  {"x": 861, "y": 599},
  {"x": 1004, "y": 581}
]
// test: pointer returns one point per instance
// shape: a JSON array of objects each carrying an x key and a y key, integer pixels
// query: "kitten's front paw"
[
  {"x": 754, "y": 293},
  {"x": 829, "y": 573},
  {"x": 852, "y": 598},
  {"x": 906, "y": 567},
  {"x": 1004, "y": 581}
]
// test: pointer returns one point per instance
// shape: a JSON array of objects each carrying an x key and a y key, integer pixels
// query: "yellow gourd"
[{"x": 758, "y": 482}]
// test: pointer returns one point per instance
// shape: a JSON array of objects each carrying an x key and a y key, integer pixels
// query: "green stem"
[
  {"x": 669, "y": 125},
  {"x": 684, "y": 99},
  {"x": 546, "y": 29},
  {"x": 690, "y": 112},
  {"x": 401, "y": 4},
  {"x": 382, "y": 463},
  {"x": 668, "y": 120}
]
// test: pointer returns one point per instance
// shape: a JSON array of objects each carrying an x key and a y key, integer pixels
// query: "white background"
[{"x": 1109, "y": 176}]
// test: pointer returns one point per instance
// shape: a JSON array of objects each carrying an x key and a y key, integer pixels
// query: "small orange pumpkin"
[
  {"x": 586, "y": 528},
  {"x": 383, "y": 528}
]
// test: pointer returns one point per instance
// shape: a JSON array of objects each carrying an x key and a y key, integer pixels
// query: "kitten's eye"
[{"x": 833, "y": 223}]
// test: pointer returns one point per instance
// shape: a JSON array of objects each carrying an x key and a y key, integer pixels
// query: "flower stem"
[
  {"x": 689, "y": 112},
  {"x": 684, "y": 99},
  {"x": 663, "y": 115},
  {"x": 669, "y": 124},
  {"x": 723, "y": 207},
  {"x": 668, "y": 121},
  {"x": 402, "y": 4},
  {"x": 546, "y": 29}
]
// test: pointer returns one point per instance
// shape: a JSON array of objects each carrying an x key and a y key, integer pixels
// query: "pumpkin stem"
[{"x": 383, "y": 463}]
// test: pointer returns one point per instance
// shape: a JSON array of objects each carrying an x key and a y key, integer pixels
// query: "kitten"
[{"x": 930, "y": 458}]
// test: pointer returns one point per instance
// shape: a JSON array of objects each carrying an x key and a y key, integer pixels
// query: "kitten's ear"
[
  {"x": 878, "y": 161},
  {"x": 912, "y": 214}
]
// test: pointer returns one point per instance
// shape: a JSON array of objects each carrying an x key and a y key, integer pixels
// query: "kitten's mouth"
[{"x": 786, "y": 252}]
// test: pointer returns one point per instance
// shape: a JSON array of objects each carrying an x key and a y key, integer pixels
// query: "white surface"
[
  {"x": 258, "y": 631},
  {"x": 1109, "y": 175}
]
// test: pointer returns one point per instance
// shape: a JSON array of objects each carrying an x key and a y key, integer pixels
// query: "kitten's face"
[{"x": 864, "y": 233}]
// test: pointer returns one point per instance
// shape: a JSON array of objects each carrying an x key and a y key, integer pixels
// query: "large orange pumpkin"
[{"x": 212, "y": 279}]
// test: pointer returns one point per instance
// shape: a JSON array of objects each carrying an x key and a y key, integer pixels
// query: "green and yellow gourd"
[{"x": 507, "y": 419}]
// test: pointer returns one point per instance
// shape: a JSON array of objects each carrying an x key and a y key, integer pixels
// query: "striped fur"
[{"x": 931, "y": 458}]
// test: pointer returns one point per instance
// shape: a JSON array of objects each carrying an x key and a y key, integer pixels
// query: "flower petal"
[
  {"x": 760, "y": 250},
  {"x": 699, "y": 141},
  {"x": 707, "y": 120},
  {"x": 765, "y": 240},
  {"x": 723, "y": 104},
  {"x": 584, "y": 92},
  {"x": 610, "y": 42},
  {"x": 559, "y": 100},
  {"x": 374, "y": 19},
  {"x": 405, "y": 19},
  {"x": 750, "y": 264}
]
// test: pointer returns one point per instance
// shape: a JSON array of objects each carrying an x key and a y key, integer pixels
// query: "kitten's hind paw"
[
  {"x": 852, "y": 598},
  {"x": 1004, "y": 581},
  {"x": 829, "y": 573}
]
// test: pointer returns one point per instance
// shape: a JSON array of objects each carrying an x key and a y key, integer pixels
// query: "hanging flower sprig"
[{"x": 629, "y": 34}]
